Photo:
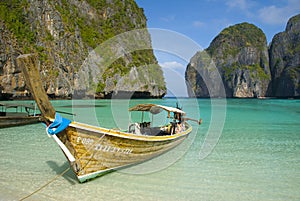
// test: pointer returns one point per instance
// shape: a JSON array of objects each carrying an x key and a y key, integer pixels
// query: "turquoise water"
[{"x": 255, "y": 157}]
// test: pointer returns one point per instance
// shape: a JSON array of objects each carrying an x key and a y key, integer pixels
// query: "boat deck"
[{"x": 144, "y": 128}]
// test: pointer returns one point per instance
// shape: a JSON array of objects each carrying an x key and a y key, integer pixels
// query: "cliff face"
[
  {"x": 247, "y": 67},
  {"x": 63, "y": 34},
  {"x": 285, "y": 61},
  {"x": 240, "y": 55}
]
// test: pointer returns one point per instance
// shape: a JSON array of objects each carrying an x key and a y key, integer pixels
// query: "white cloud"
[
  {"x": 240, "y": 4},
  {"x": 198, "y": 24},
  {"x": 168, "y": 18},
  {"x": 172, "y": 65},
  {"x": 174, "y": 73},
  {"x": 277, "y": 15},
  {"x": 174, "y": 78}
]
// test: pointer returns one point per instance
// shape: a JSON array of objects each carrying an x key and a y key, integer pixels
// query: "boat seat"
[{"x": 153, "y": 131}]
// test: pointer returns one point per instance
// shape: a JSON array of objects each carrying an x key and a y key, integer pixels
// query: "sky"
[{"x": 200, "y": 21}]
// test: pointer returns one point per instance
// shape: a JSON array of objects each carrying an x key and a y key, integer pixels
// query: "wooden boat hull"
[
  {"x": 99, "y": 150},
  {"x": 10, "y": 121},
  {"x": 93, "y": 150}
]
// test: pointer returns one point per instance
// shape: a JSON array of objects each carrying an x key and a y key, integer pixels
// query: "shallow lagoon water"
[{"x": 256, "y": 157}]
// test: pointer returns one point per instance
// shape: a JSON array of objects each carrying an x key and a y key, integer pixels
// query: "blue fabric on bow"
[{"x": 58, "y": 125}]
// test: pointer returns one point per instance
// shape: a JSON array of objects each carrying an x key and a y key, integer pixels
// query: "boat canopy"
[
  {"x": 155, "y": 109},
  {"x": 29, "y": 106},
  {"x": 18, "y": 107}
]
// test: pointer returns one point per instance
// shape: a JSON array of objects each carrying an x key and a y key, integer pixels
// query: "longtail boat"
[
  {"x": 93, "y": 151},
  {"x": 17, "y": 115}
]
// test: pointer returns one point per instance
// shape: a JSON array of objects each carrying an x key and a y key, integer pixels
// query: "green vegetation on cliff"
[
  {"x": 63, "y": 33},
  {"x": 12, "y": 14},
  {"x": 256, "y": 72},
  {"x": 95, "y": 31},
  {"x": 240, "y": 54},
  {"x": 284, "y": 60},
  {"x": 238, "y": 36}
]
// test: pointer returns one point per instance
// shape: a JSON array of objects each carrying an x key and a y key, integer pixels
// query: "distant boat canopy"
[{"x": 155, "y": 109}]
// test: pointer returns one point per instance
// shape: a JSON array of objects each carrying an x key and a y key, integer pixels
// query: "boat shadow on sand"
[{"x": 59, "y": 169}]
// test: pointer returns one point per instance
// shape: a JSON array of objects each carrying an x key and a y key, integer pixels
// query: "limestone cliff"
[
  {"x": 285, "y": 61},
  {"x": 240, "y": 55},
  {"x": 63, "y": 34}
]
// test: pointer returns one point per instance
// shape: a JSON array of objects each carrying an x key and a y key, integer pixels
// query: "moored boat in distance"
[
  {"x": 93, "y": 151},
  {"x": 17, "y": 114}
]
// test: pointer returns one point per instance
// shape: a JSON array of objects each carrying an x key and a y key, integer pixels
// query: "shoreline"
[{"x": 165, "y": 97}]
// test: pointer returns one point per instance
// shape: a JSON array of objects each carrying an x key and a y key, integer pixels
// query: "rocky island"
[
  {"x": 248, "y": 67},
  {"x": 63, "y": 35},
  {"x": 284, "y": 54}
]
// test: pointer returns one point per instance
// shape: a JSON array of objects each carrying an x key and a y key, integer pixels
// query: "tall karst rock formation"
[
  {"x": 65, "y": 35},
  {"x": 247, "y": 67},
  {"x": 240, "y": 55},
  {"x": 285, "y": 61}
]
